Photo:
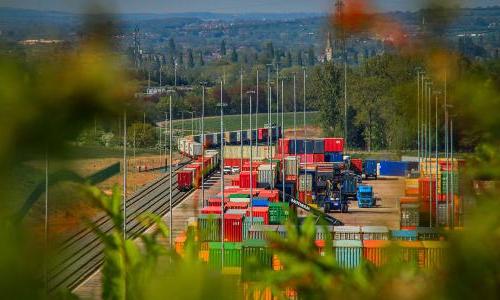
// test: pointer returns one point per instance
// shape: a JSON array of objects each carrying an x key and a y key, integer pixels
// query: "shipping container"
[
  {"x": 262, "y": 232},
  {"x": 194, "y": 149},
  {"x": 370, "y": 168},
  {"x": 284, "y": 146},
  {"x": 404, "y": 235},
  {"x": 410, "y": 214},
  {"x": 278, "y": 213},
  {"x": 247, "y": 223},
  {"x": 209, "y": 226},
  {"x": 348, "y": 253},
  {"x": 334, "y": 144},
  {"x": 347, "y": 232},
  {"x": 296, "y": 146},
  {"x": 318, "y": 158},
  {"x": 427, "y": 190},
  {"x": 306, "y": 182},
  {"x": 260, "y": 201},
  {"x": 445, "y": 176},
  {"x": 260, "y": 212},
  {"x": 257, "y": 258},
  {"x": 435, "y": 254},
  {"x": 245, "y": 179},
  {"x": 233, "y": 227},
  {"x": 376, "y": 251},
  {"x": 185, "y": 179},
  {"x": 357, "y": 165},
  {"x": 210, "y": 210},
  {"x": 267, "y": 174},
  {"x": 271, "y": 195},
  {"x": 236, "y": 205},
  {"x": 375, "y": 232},
  {"x": 428, "y": 234},
  {"x": 334, "y": 156},
  {"x": 319, "y": 146},
  {"x": 262, "y": 134},
  {"x": 324, "y": 233},
  {"x": 242, "y": 136},
  {"x": 292, "y": 165},
  {"x": 411, "y": 252},
  {"x": 232, "y": 255},
  {"x": 393, "y": 168}
]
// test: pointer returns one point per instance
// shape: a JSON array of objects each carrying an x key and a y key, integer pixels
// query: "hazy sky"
[{"x": 220, "y": 6}]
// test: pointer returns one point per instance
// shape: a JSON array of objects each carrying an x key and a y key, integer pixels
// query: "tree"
[
  {"x": 311, "y": 57},
  {"x": 190, "y": 58},
  {"x": 269, "y": 50},
  {"x": 299, "y": 58},
  {"x": 201, "y": 60},
  {"x": 289, "y": 61},
  {"x": 223, "y": 51},
  {"x": 326, "y": 88},
  {"x": 171, "y": 46},
  {"x": 143, "y": 134},
  {"x": 180, "y": 59},
  {"x": 234, "y": 55}
]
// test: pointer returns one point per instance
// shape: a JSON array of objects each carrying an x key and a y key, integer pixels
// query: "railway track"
[{"x": 82, "y": 254}]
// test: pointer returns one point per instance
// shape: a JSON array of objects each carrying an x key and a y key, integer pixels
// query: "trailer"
[{"x": 370, "y": 168}]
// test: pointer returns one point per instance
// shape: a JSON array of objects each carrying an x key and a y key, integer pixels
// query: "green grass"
[
  {"x": 93, "y": 152},
  {"x": 233, "y": 122}
]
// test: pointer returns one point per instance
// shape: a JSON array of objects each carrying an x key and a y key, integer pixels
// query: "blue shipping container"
[
  {"x": 393, "y": 168},
  {"x": 308, "y": 146},
  {"x": 348, "y": 253},
  {"x": 319, "y": 147},
  {"x": 370, "y": 168},
  {"x": 260, "y": 201},
  {"x": 297, "y": 143},
  {"x": 334, "y": 156},
  {"x": 404, "y": 235},
  {"x": 289, "y": 189}
]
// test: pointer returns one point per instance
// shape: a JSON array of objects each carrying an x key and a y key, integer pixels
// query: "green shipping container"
[
  {"x": 348, "y": 253},
  {"x": 232, "y": 255},
  {"x": 257, "y": 258},
  {"x": 278, "y": 213},
  {"x": 444, "y": 182},
  {"x": 247, "y": 223},
  {"x": 209, "y": 227},
  {"x": 239, "y": 196}
]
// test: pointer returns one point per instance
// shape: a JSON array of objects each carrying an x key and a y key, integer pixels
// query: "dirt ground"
[
  {"x": 387, "y": 191},
  {"x": 311, "y": 132}
]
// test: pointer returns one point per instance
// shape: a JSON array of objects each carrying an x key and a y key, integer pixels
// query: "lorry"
[
  {"x": 365, "y": 196},
  {"x": 370, "y": 168}
]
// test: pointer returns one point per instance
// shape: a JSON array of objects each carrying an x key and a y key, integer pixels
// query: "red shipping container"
[
  {"x": 245, "y": 179},
  {"x": 357, "y": 165},
  {"x": 235, "y": 182},
  {"x": 184, "y": 180},
  {"x": 283, "y": 146},
  {"x": 305, "y": 197},
  {"x": 306, "y": 158},
  {"x": 255, "y": 165},
  {"x": 318, "y": 157},
  {"x": 216, "y": 210},
  {"x": 262, "y": 134},
  {"x": 408, "y": 227},
  {"x": 236, "y": 205},
  {"x": 216, "y": 201},
  {"x": 233, "y": 228},
  {"x": 260, "y": 212},
  {"x": 320, "y": 246},
  {"x": 427, "y": 189},
  {"x": 291, "y": 178},
  {"x": 334, "y": 144},
  {"x": 272, "y": 195}
]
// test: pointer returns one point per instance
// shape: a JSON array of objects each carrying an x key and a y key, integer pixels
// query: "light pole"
[
  {"x": 283, "y": 139},
  {"x": 436, "y": 93},
  {"x": 203, "y": 142},
  {"x": 294, "y": 115},
  {"x": 277, "y": 101},
  {"x": 124, "y": 174},
  {"x": 305, "y": 130},
  {"x": 256, "y": 116},
  {"x": 241, "y": 119},
  {"x": 175, "y": 73},
  {"x": 170, "y": 167},
  {"x": 418, "y": 116},
  {"x": 251, "y": 159},
  {"x": 269, "y": 66},
  {"x": 222, "y": 170}
]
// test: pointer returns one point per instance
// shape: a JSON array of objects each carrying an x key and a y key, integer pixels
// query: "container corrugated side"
[
  {"x": 375, "y": 232},
  {"x": 232, "y": 255},
  {"x": 256, "y": 258},
  {"x": 348, "y": 253},
  {"x": 435, "y": 254},
  {"x": 347, "y": 232}
]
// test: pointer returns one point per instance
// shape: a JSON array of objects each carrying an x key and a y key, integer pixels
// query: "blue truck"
[
  {"x": 370, "y": 168},
  {"x": 365, "y": 196}
]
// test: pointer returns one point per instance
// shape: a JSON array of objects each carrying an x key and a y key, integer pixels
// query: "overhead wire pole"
[
  {"x": 125, "y": 174},
  {"x": 277, "y": 104},
  {"x": 452, "y": 192},
  {"x": 429, "y": 118},
  {"x": 222, "y": 172},
  {"x": 256, "y": 116},
  {"x": 203, "y": 142},
  {"x": 294, "y": 116},
  {"x": 241, "y": 119},
  {"x": 251, "y": 158},
  {"x": 304, "y": 109},
  {"x": 283, "y": 138},
  {"x": 436, "y": 156},
  {"x": 268, "y": 110},
  {"x": 170, "y": 170},
  {"x": 418, "y": 118},
  {"x": 446, "y": 149}
]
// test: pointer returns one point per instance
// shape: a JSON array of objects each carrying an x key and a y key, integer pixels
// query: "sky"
[{"x": 217, "y": 6}]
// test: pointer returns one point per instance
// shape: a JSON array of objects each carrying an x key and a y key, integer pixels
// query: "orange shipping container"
[
  {"x": 376, "y": 252},
  {"x": 408, "y": 199}
]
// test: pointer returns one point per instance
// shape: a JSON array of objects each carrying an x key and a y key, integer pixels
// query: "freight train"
[
  {"x": 190, "y": 176},
  {"x": 259, "y": 135}
]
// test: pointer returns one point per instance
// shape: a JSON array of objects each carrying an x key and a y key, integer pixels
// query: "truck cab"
[{"x": 365, "y": 196}]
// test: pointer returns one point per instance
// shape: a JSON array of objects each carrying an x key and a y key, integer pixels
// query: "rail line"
[{"x": 82, "y": 254}]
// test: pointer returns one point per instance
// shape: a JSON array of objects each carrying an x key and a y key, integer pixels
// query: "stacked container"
[
  {"x": 374, "y": 233},
  {"x": 232, "y": 255},
  {"x": 233, "y": 227},
  {"x": 347, "y": 232},
  {"x": 245, "y": 179},
  {"x": 267, "y": 175},
  {"x": 348, "y": 253}
]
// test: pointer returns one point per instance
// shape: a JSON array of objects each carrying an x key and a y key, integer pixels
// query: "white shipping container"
[
  {"x": 241, "y": 200},
  {"x": 375, "y": 233},
  {"x": 194, "y": 149},
  {"x": 305, "y": 183},
  {"x": 347, "y": 233},
  {"x": 292, "y": 165},
  {"x": 267, "y": 174}
]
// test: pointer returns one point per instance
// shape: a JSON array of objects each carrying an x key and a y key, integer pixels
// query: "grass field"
[{"x": 233, "y": 122}]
